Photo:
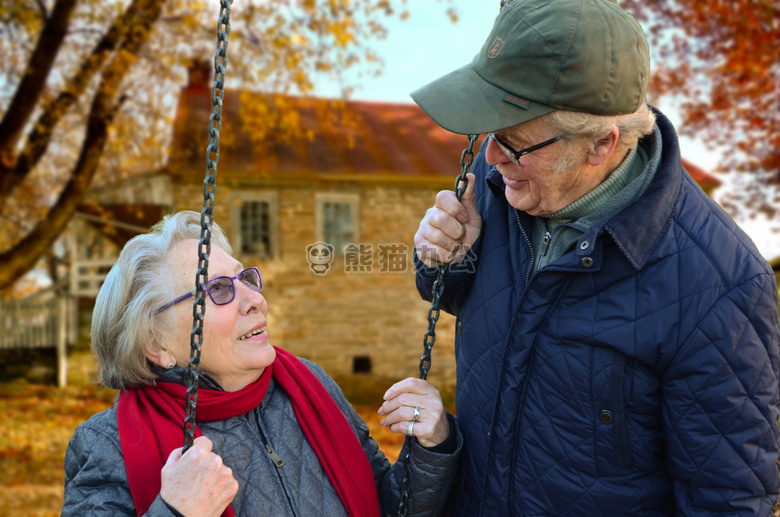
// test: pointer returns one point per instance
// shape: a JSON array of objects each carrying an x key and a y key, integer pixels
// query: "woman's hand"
[
  {"x": 198, "y": 483},
  {"x": 450, "y": 228},
  {"x": 431, "y": 427}
]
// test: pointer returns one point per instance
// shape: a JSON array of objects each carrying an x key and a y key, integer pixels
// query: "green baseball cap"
[{"x": 545, "y": 55}]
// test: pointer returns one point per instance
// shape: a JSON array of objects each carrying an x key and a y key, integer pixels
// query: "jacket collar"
[{"x": 638, "y": 228}]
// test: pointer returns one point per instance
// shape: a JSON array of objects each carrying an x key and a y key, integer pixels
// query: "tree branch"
[
  {"x": 22, "y": 257},
  {"x": 40, "y": 136},
  {"x": 33, "y": 81},
  {"x": 42, "y": 7}
]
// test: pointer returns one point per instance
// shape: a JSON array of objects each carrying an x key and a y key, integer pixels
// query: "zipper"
[
  {"x": 529, "y": 371},
  {"x": 275, "y": 458},
  {"x": 278, "y": 461},
  {"x": 530, "y": 247}
]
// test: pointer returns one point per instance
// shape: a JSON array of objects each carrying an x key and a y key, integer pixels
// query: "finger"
[
  {"x": 420, "y": 429},
  {"x": 447, "y": 201},
  {"x": 403, "y": 414},
  {"x": 468, "y": 194},
  {"x": 443, "y": 240},
  {"x": 409, "y": 385},
  {"x": 432, "y": 254},
  {"x": 468, "y": 199},
  {"x": 202, "y": 443},
  {"x": 173, "y": 457}
]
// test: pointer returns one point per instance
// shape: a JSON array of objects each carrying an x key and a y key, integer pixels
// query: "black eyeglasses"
[
  {"x": 222, "y": 290},
  {"x": 515, "y": 155}
]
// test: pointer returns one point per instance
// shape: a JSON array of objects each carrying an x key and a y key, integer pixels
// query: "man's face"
[{"x": 533, "y": 186}]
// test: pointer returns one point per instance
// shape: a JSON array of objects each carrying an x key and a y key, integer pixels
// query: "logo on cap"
[
  {"x": 496, "y": 47},
  {"x": 517, "y": 101}
]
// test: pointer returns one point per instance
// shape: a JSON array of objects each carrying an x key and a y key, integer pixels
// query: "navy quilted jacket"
[{"x": 636, "y": 375}]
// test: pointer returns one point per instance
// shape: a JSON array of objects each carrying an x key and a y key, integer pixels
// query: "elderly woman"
[{"x": 275, "y": 435}]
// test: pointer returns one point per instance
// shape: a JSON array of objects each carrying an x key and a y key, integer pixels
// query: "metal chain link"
[
  {"x": 461, "y": 182},
  {"x": 206, "y": 219}
]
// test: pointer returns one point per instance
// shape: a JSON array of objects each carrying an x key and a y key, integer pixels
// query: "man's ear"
[{"x": 603, "y": 149}]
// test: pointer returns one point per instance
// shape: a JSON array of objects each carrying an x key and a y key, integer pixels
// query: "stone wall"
[{"x": 342, "y": 319}]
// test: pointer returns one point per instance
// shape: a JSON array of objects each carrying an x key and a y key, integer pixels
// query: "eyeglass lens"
[{"x": 221, "y": 289}]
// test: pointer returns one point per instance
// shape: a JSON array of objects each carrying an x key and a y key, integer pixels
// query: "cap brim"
[{"x": 464, "y": 103}]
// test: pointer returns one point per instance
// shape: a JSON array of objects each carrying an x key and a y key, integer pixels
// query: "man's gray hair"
[
  {"x": 583, "y": 130},
  {"x": 124, "y": 322}
]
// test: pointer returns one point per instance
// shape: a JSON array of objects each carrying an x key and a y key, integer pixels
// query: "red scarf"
[{"x": 151, "y": 423}]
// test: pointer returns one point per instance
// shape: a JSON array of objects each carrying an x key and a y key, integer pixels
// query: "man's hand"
[{"x": 450, "y": 228}]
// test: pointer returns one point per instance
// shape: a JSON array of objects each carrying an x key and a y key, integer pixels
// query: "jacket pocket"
[
  {"x": 610, "y": 423},
  {"x": 458, "y": 336},
  {"x": 617, "y": 397}
]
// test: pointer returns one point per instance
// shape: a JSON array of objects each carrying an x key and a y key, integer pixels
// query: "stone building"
[{"x": 357, "y": 176}]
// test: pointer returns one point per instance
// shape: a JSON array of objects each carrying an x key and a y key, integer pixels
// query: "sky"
[{"x": 428, "y": 45}]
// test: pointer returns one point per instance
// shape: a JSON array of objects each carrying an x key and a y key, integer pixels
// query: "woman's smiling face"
[{"x": 235, "y": 348}]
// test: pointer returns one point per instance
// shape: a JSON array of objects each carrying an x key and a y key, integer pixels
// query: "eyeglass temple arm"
[{"x": 174, "y": 302}]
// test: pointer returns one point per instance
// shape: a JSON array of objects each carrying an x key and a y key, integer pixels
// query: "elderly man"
[{"x": 617, "y": 333}]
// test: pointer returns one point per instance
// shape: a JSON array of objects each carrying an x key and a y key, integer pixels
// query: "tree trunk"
[
  {"x": 33, "y": 82},
  {"x": 23, "y": 257}
]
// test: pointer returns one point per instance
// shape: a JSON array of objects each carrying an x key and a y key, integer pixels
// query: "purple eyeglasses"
[{"x": 222, "y": 290}]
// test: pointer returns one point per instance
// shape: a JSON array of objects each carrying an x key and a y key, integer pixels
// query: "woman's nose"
[{"x": 250, "y": 300}]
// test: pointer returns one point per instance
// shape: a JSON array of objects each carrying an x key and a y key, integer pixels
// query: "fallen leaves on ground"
[{"x": 38, "y": 422}]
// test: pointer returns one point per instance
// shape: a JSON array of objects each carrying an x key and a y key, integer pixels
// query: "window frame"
[
  {"x": 351, "y": 199},
  {"x": 237, "y": 202}
]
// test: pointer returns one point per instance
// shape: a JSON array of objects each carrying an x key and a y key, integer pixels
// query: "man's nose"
[{"x": 493, "y": 154}]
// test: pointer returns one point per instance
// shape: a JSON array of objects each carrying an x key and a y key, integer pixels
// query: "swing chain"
[
  {"x": 206, "y": 220},
  {"x": 461, "y": 182}
]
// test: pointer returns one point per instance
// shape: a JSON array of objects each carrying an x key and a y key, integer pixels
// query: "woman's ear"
[
  {"x": 160, "y": 356},
  {"x": 603, "y": 149}
]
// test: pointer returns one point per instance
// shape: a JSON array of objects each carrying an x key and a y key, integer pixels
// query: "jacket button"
[
  {"x": 606, "y": 416},
  {"x": 584, "y": 245},
  {"x": 460, "y": 327},
  {"x": 586, "y": 262}
]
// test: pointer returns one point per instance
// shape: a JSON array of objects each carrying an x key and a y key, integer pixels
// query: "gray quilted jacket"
[{"x": 96, "y": 480}]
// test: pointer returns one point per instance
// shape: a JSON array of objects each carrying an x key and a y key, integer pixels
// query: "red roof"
[{"x": 333, "y": 138}]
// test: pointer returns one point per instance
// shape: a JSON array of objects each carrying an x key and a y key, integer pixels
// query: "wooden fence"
[{"x": 37, "y": 323}]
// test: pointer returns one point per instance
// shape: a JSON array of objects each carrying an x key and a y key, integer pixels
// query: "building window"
[
  {"x": 337, "y": 219},
  {"x": 255, "y": 228},
  {"x": 255, "y": 224},
  {"x": 361, "y": 364}
]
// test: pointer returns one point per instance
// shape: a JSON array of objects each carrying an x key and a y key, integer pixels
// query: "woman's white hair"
[
  {"x": 124, "y": 322},
  {"x": 583, "y": 130}
]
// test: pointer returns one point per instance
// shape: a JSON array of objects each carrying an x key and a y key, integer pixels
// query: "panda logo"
[{"x": 319, "y": 255}]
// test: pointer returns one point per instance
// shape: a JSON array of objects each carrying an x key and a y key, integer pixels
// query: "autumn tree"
[
  {"x": 720, "y": 60},
  {"x": 87, "y": 89}
]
